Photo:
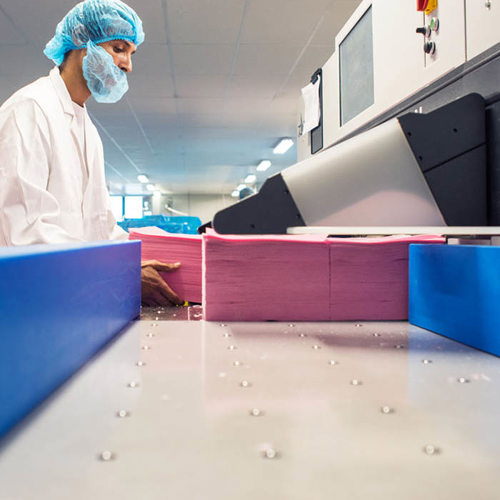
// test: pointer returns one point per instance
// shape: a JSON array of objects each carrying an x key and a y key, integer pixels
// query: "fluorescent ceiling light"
[
  {"x": 143, "y": 178},
  {"x": 250, "y": 178},
  {"x": 150, "y": 187},
  {"x": 283, "y": 146},
  {"x": 263, "y": 165}
]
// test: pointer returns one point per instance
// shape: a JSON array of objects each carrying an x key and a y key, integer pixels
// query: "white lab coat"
[{"x": 42, "y": 198}]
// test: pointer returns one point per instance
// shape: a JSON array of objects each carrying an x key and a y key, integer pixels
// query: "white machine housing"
[{"x": 400, "y": 66}]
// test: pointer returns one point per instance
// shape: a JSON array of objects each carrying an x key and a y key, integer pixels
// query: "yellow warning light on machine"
[
  {"x": 431, "y": 5},
  {"x": 427, "y": 6}
]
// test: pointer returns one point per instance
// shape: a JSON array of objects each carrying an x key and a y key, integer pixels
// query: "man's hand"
[{"x": 155, "y": 292}]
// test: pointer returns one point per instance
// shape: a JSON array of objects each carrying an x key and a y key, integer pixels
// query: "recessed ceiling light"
[
  {"x": 283, "y": 146},
  {"x": 150, "y": 187},
  {"x": 263, "y": 165},
  {"x": 250, "y": 179},
  {"x": 235, "y": 194},
  {"x": 143, "y": 178}
]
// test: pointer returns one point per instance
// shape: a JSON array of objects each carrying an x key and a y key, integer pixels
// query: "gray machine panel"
[
  {"x": 372, "y": 179},
  {"x": 356, "y": 78},
  {"x": 454, "y": 159}
]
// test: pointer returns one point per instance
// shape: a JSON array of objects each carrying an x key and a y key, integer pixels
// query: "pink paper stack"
[
  {"x": 167, "y": 247},
  {"x": 304, "y": 278},
  {"x": 285, "y": 277},
  {"x": 258, "y": 278},
  {"x": 369, "y": 277}
]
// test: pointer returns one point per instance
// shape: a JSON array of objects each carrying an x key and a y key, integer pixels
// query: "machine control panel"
[{"x": 427, "y": 31}]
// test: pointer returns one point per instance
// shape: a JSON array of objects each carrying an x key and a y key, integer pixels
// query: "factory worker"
[{"x": 52, "y": 185}]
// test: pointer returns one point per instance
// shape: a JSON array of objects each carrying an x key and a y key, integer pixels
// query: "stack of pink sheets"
[
  {"x": 287, "y": 278},
  {"x": 369, "y": 277},
  {"x": 304, "y": 278},
  {"x": 167, "y": 247},
  {"x": 258, "y": 278}
]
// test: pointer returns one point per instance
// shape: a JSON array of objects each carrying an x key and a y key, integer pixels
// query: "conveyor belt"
[{"x": 265, "y": 410}]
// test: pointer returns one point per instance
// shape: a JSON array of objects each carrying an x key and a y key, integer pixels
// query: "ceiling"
[{"x": 213, "y": 88}]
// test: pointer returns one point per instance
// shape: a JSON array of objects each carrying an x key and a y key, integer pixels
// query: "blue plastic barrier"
[
  {"x": 455, "y": 291},
  {"x": 177, "y": 224},
  {"x": 58, "y": 306}
]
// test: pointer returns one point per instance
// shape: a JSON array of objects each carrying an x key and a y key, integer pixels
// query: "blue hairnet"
[{"x": 97, "y": 21}]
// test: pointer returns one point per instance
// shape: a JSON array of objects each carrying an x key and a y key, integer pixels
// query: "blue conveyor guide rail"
[
  {"x": 58, "y": 306},
  {"x": 454, "y": 290}
]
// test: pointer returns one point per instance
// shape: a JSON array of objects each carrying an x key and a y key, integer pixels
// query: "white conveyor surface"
[{"x": 266, "y": 410}]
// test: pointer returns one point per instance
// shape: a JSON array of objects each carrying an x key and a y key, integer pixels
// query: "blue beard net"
[{"x": 105, "y": 80}]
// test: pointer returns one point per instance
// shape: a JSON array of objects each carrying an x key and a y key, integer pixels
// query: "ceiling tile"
[
  {"x": 37, "y": 21},
  {"x": 284, "y": 105},
  {"x": 211, "y": 86},
  {"x": 282, "y": 21},
  {"x": 262, "y": 60},
  {"x": 151, "y": 59},
  {"x": 198, "y": 59},
  {"x": 262, "y": 87},
  {"x": 204, "y": 21},
  {"x": 315, "y": 56},
  {"x": 149, "y": 104},
  {"x": 109, "y": 114},
  {"x": 23, "y": 62},
  {"x": 7, "y": 88},
  {"x": 148, "y": 86},
  {"x": 151, "y": 14},
  {"x": 220, "y": 120},
  {"x": 9, "y": 33},
  {"x": 203, "y": 106},
  {"x": 335, "y": 17}
]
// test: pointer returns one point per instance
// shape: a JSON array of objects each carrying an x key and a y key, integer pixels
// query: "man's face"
[{"x": 121, "y": 51}]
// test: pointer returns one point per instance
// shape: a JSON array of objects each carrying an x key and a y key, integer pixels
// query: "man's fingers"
[
  {"x": 167, "y": 267},
  {"x": 155, "y": 288},
  {"x": 161, "y": 266},
  {"x": 152, "y": 301},
  {"x": 160, "y": 300},
  {"x": 156, "y": 298},
  {"x": 169, "y": 294}
]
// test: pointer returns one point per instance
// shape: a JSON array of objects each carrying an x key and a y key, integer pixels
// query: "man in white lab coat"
[{"x": 52, "y": 185}]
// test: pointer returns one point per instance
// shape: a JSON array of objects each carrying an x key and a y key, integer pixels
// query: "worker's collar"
[{"x": 62, "y": 91}]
